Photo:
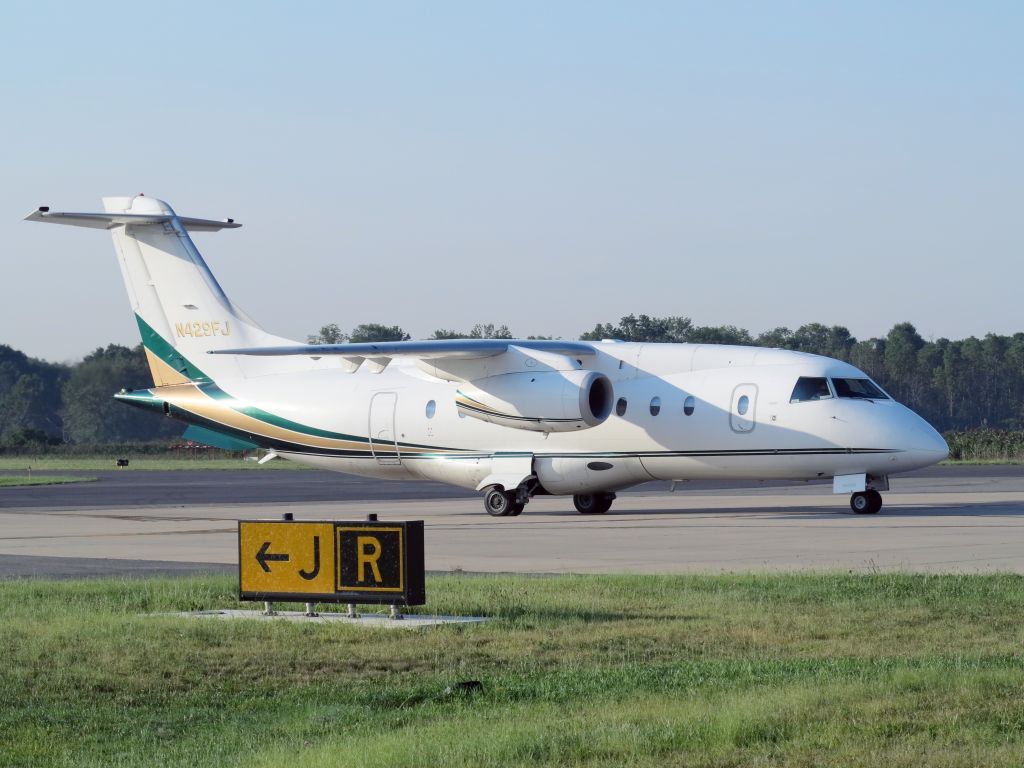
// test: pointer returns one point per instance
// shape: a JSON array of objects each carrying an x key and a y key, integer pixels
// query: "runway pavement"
[{"x": 960, "y": 519}]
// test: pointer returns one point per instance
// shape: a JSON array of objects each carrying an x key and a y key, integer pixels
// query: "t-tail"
[{"x": 181, "y": 310}]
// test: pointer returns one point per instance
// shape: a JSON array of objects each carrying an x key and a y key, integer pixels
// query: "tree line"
[{"x": 956, "y": 385}]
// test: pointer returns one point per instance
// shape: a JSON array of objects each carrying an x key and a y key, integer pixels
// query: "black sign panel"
[{"x": 341, "y": 562}]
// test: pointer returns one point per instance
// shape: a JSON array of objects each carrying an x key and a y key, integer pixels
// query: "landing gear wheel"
[
  {"x": 593, "y": 503},
  {"x": 516, "y": 509},
  {"x": 866, "y": 502},
  {"x": 498, "y": 503}
]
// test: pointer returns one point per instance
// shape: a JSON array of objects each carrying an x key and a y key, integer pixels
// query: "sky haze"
[{"x": 544, "y": 165}]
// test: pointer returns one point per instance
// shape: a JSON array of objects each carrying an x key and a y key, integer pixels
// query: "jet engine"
[{"x": 540, "y": 401}]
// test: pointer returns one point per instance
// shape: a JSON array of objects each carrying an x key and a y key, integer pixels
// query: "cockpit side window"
[
  {"x": 863, "y": 389},
  {"x": 810, "y": 388}
]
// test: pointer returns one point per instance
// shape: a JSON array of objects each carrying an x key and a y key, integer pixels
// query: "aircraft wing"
[{"x": 438, "y": 351}]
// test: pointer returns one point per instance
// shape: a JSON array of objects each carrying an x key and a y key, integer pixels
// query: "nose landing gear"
[{"x": 866, "y": 502}]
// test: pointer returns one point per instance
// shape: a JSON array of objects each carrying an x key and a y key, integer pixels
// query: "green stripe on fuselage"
[
  {"x": 160, "y": 347},
  {"x": 215, "y": 392}
]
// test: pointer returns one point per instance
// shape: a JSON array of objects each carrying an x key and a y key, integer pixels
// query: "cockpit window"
[
  {"x": 810, "y": 388},
  {"x": 864, "y": 389}
]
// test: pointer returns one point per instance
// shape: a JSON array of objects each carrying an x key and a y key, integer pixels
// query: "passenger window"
[
  {"x": 620, "y": 407},
  {"x": 742, "y": 405},
  {"x": 810, "y": 388},
  {"x": 655, "y": 406},
  {"x": 864, "y": 389},
  {"x": 431, "y": 409},
  {"x": 688, "y": 405}
]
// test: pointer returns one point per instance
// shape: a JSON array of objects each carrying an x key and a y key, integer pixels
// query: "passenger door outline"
[
  {"x": 381, "y": 428},
  {"x": 742, "y": 423}
]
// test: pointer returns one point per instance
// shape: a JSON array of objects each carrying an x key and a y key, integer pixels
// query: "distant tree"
[
  {"x": 479, "y": 331},
  {"x": 490, "y": 331},
  {"x": 818, "y": 339},
  {"x": 363, "y": 333},
  {"x": 902, "y": 345},
  {"x": 30, "y": 394},
  {"x": 328, "y": 334},
  {"x": 91, "y": 415},
  {"x": 869, "y": 356},
  {"x": 370, "y": 332},
  {"x": 643, "y": 328},
  {"x": 719, "y": 334},
  {"x": 780, "y": 338},
  {"x": 26, "y": 441},
  {"x": 19, "y": 411}
]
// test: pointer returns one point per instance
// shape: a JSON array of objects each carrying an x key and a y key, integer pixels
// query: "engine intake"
[{"x": 541, "y": 401}]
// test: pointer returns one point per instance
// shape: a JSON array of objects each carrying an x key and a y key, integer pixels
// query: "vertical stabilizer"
[{"x": 181, "y": 310}]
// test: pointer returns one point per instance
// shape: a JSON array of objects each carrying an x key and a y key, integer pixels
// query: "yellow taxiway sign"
[{"x": 331, "y": 561}]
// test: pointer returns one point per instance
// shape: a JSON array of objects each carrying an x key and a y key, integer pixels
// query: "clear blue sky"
[{"x": 545, "y": 165}]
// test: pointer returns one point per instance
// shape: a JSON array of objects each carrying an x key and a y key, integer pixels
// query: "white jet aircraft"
[{"x": 513, "y": 419}]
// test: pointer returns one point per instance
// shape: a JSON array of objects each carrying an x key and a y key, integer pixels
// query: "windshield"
[
  {"x": 863, "y": 389},
  {"x": 810, "y": 388}
]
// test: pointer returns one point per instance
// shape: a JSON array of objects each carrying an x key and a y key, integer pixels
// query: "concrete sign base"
[{"x": 407, "y": 621}]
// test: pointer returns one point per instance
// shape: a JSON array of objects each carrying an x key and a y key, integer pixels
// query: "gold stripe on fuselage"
[{"x": 190, "y": 398}]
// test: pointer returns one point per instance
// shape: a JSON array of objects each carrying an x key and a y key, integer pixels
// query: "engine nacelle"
[{"x": 541, "y": 401}]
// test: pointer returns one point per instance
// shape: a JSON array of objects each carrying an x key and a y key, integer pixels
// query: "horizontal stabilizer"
[{"x": 111, "y": 220}]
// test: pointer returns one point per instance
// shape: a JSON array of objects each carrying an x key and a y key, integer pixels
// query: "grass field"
[
  {"x": 142, "y": 463},
  {"x": 757, "y": 670},
  {"x": 13, "y": 481}
]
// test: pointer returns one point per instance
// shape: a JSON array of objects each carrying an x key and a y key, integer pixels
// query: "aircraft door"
[
  {"x": 382, "y": 428},
  {"x": 744, "y": 403}
]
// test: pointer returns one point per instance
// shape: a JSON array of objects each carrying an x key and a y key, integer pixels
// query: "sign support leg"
[
  {"x": 311, "y": 610},
  {"x": 394, "y": 613},
  {"x": 268, "y": 609}
]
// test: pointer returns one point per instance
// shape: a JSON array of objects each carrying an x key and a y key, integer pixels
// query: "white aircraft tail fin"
[{"x": 181, "y": 310}]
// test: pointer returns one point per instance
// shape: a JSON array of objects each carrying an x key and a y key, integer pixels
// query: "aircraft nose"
[
  {"x": 925, "y": 444},
  {"x": 937, "y": 444}
]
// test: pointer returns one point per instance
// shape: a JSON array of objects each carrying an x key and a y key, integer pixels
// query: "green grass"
[
  {"x": 986, "y": 446},
  {"x": 11, "y": 482},
  {"x": 980, "y": 462},
  {"x": 790, "y": 670},
  {"x": 143, "y": 463}
]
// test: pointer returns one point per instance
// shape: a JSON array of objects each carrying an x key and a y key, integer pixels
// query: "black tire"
[
  {"x": 876, "y": 501},
  {"x": 498, "y": 503},
  {"x": 517, "y": 509},
  {"x": 593, "y": 503},
  {"x": 866, "y": 502}
]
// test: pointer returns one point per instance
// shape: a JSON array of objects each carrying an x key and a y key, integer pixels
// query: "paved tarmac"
[
  {"x": 144, "y": 488},
  {"x": 957, "y": 519}
]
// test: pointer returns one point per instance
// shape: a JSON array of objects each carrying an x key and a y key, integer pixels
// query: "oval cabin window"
[
  {"x": 688, "y": 405},
  {"x": 431, "y": 409},
  {"x": 655, "y": 406},
  {"x": 620, "y": 407},
  {"x": 743, "y": 405}
]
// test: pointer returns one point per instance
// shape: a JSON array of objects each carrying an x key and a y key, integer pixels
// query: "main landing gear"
[
  {"x": 593, "y": 503},
  {"x": 499, "y": 503},
  {"x": 866, "y": 502},
  {"x": 502, "y": 503}
]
